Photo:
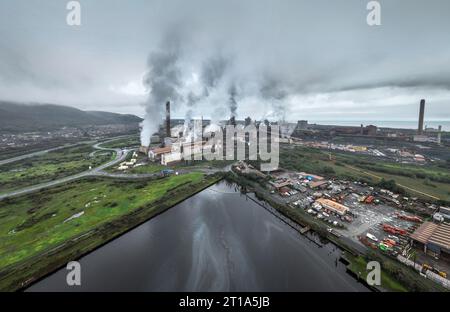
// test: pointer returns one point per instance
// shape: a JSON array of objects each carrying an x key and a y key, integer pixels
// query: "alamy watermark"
[
  {"x": 374, "y": 276},
  {"x": 73, "y": 17},
  {"x": 73, "y": 277},
  {"x": 374, "y": 16}
]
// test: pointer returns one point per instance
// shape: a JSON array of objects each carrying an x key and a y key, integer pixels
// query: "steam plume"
[
  {"x": 232, "y": 100},
  {"x": 163, "y": 81}
]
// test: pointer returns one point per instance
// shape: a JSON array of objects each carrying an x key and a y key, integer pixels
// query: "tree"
[{"x": 390, "y": 185}]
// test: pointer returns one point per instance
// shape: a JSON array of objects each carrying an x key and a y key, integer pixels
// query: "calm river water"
[{"x": 217, "y": 240}]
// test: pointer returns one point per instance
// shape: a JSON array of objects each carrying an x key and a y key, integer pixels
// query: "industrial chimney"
[
  {"x": 421, "y": 117},
  {"x": 168, "y": 134},
  {"x": 439, "y": 136}
]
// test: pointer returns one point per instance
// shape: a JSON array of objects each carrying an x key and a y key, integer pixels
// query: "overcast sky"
[{"x": 316, "y": 59}]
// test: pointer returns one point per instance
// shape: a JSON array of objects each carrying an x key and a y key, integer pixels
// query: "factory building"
[
  {"x": 177, "y": 151},
  {"x": 434, "y": 238},
  {"x": 428, "y": 139},
  {"x": 318, "y": 184},
  {"x": 171, "y": 158},
  {"x": 423, "y": 136},
  {"x": 155, "y": 154},
  {"x": 193, "y": 150},
  {"x": 371, "y": 130},
  {"x": 173, "y": 149},
  {"x": 280, "y": 184},
  {"x": 302, "y": 124}
]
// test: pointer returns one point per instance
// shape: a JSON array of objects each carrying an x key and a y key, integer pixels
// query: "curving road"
[
  {"x": 98, "y": 171},
  {"x": 38, "y": 153},
  {"x": 120, "y": 156}
]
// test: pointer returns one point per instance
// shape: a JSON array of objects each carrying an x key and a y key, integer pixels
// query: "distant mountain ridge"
[{"x": 18, "y": 117}]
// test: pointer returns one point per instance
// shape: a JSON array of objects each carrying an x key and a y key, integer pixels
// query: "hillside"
[{"x": 15, "y": 117}]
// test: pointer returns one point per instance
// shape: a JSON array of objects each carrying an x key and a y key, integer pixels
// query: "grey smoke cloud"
[
  {"x": 232, "y": 100},
  {"x": 163, "y": 80},
  {"x": 295, "y": 58},
  {"x": 213, "y": 70}
]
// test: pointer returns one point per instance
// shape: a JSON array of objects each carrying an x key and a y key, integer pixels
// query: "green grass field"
[
  {"x": 33, "y": 226},
  {"x": 358, "y": 266},
  {"x": 122, "y": 142},
  {"x": 50, "y": 166},
  {"x": 36, "y": 222},
  {"x": 155, "y": 167},
  {"x": 395, "y": 276},
  {"x": 148, "y": 168}
]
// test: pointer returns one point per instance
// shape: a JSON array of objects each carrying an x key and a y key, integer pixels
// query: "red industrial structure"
[
  {"x": 394, "y": 230},
  {"x": 409, "y": 218}
]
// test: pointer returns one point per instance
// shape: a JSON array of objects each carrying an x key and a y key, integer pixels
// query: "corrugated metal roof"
[
  {"x": 329, "y": 204},
  {"x": 424, "y": 232},
  {"x": 280, "y": 184},
  {"x": 317, "y": 183},
  {"x": 433, "y": 233},
  {"x": 161, "y": 150},
  {"x": 441, "y": 236}
]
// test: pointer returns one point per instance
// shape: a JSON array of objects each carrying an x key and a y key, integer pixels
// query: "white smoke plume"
[
  {"x": 206, "y": 80},
  {"x": 163, "y": 81},
  {"x": 211, "y": 74}
]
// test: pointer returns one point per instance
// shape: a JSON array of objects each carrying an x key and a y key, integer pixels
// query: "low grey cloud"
[{"x": 289, "y": 59}]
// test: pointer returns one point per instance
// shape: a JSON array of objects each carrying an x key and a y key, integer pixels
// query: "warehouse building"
[
  {"x": 318, "y": 184},
  {"x": 280, "y": 184},
  {"x": 435, "y": 239},
  {"x": 333, "y": 206}
]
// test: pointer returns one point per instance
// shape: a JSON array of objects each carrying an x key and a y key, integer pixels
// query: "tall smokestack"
[
  {"x": 439, "y": 136},
  {"x": 421, "y": 116},
  {"x": 168, "y": 134}
]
